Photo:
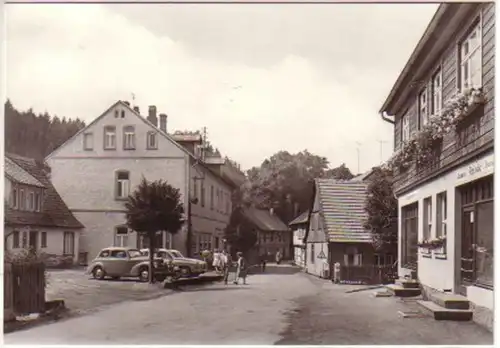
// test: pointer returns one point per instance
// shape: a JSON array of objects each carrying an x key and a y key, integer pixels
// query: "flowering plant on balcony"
[
  {"x": 432, "y": 243},
  {"x": 456, "y": 109},
  {"x": 403, "y": 158}
]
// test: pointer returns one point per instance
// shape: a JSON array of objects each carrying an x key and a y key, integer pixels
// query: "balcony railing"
[{"x": 470, "y": 137}]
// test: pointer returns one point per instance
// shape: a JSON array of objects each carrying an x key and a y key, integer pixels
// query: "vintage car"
[
  {"x": 116, "y": 262},
  {"x": 187, "y": 266}
]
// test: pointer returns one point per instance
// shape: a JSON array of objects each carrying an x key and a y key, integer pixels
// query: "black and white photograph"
[{"x": 248, "y": 173}]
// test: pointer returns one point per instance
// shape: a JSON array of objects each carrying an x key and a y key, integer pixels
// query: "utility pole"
[
  {"x": 382, "y": 142},
  {"x": 358, "y": 144},
  {"x": 203, "y": 143}
]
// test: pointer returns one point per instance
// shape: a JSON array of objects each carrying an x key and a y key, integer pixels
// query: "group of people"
[{"x": 222, "y": 262}]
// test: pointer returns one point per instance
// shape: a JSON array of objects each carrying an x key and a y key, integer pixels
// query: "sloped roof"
[
  {"x": 264, "y": 220},
  {"x": 186, "y": 137},
  {"x": 55, "y": 212},
  {"x": 363, "y": 176},
  {"x": 301, "y": 219},
  {"x": 343, "y": 210},
  {"x": 18, "y": 174}
]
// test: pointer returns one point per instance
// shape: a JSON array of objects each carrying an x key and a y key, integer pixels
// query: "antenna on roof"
[
  {"x": 203, "y": 143},
  {"x": 133, "y": 99}
]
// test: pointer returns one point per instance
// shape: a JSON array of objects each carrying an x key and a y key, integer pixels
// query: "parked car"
[
  {"x": 116, "y": 262},
  {"x": 188, "y": 267}
]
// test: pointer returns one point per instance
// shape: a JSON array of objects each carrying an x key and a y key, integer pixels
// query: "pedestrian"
[
  {"x": 263, "y": 262},
  {"x": 226, "y": 264},
  {"x": 217, "y": 261},
  {"x": 241, "y": 270},
  {"x": 278, "y": 257}
]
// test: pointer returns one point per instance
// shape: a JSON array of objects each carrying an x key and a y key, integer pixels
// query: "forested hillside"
[{"x": 36, "y": 135}]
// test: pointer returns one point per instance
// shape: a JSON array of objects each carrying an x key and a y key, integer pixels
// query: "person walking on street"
[
  {"x": 278, "y": 257},
  {"x": 241, "y": 270},
  {"x": 217, "y": 262},
  {"x": 226, "y": 264},
  {"x": 263, "y": 262}
]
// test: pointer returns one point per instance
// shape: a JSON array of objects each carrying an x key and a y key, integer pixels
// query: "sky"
[{"x": 261, "y": 78}]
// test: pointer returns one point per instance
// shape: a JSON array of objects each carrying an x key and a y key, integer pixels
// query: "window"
[
  {"x": 152, "y": 141},
  {"x": 228, "y": 206},
  {"x": 116, "y": 113},
  {"x": 427, "y": 218},
  {"x": 218, "y": 199},
  {"x": 43, "y": 240},
  {"x": 38, "y": 201},
  {"x": 312, "y": 253},
  {"x": 22, "y": 200},
  {"x": 470, "y": 60},
  {"x": 128, "y": 138},
  {"x": 15, "y": 240},
  {"x": 212, "y": 197},
  {"x": 110, "y": 138},
  {"x": 31, "y": 201},
  {"x": 121, "y": 236},
  {"x": 123, "y": 113},
  {"x": 441, "y": 207},
  {"x": 69, "y": 243},
  {"x": 194, "y": 192},
  {"x": 122, "y": 184},
  {"x": 202, "y": 194},
  {"x": 88, "y": 141},
  {"x": 423, "y": 110},
  {"x": 437, "y": 93},
  {"x": 13, "y": 198},
  {"x": 405, "y": 128}
]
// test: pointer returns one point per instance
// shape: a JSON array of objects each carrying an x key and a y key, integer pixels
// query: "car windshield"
[
  {"x": 134, "y": 253},
  {"x": 177, "y": 254}
]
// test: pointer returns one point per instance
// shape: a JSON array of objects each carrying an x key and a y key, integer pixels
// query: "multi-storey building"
[
  {"x": 95, "y": 170},
  {"x": 442, "y": 109},
  {"x": 299, "y": 227}
]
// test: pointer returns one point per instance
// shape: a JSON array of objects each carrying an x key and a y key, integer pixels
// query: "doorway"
[{"x": 409, "y": 236}]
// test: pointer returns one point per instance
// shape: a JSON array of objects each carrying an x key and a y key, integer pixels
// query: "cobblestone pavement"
[{"x": 280, "y": 307}]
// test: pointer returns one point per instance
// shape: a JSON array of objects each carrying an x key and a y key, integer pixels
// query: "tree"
[
  {"x": 239, "y": 234},
  {"x": 382, "y": 209},
  {"x": 152, "y": 207},
  {"x": 340, "y": 173}
]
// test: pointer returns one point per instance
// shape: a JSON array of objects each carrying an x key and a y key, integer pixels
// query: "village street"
[{"x": 281, "y": 307}]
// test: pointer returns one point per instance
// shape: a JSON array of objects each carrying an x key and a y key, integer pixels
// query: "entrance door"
[
  {"x": 409, "y": 236},
  {"x": 467, "y": 257},
  {"x": 33, "y": 240}
]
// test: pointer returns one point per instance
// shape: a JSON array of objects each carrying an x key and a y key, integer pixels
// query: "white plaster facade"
[
  {"x": 317, "y": 243},
  {"x": 441, "y": 273},
  {"x": 86, "y": 179},
  {"x": 299, "y": 246}
]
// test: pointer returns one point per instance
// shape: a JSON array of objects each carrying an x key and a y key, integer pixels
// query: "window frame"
[
  {"x": 71, "y": 252},
  {"x": 16, "y": 239},
  {"x": 107, "y": 132},
  {"x": 312, "y": 258},
  {"x": 405, "y": 128},
  {"x": 38, "y": 201},
  {"x": 120, "y": 182},
  {"x": 22, "y": 200},
  {"x": 427, "y": 218},
  {"x": 202, "y": 194},
  {"x": 437, "y": 93},
  {"x": 14, "y": 197},
  {"x": 129, "y": 137},
  {"x": 152, "y": 135},
  {"x": 441, "y": 214},
  {"x": 463, "y": 60},
  {"x": 212, "y": 193},
  {"x": 423, "y": 107},
  {"x": 194, "y": 192},
  {"x": 86, "y": 146},
  {"x": 124, "y": 237},
  {"x": 43, "y": 239}
]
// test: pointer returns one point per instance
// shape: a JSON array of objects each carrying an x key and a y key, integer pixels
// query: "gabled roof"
[
  {"x": 14, "y": 172},
  {"x": 301, "y": 219},
  {"x": 363, "y": 176},
  {"x": 343, "y": 210},
  {"x": 264, "y": 220},
  {"x": 157, "y": 129},
  {"x": 55, "y": 212}
]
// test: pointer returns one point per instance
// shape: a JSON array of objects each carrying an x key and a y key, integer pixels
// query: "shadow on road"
[
  {"x": 227, "y": 288},
  {"x": 270, "y": 270}
]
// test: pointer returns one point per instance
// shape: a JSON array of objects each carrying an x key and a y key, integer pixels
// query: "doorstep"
[
  {"x": 400, "y": 291},
  {"x": 450, "y": 301},
  {"x": 441, "y": 313}
]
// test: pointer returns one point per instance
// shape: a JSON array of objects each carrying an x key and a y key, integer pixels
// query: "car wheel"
[
  {"x": 98, "y": 273},
  {"x": 144, "y": 274},
  {"x": 186, "y": 272}
]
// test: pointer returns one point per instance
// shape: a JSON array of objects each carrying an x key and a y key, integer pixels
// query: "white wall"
[
  {"x": 433, "y": 272},
  {"x": 317, "y": 265}
]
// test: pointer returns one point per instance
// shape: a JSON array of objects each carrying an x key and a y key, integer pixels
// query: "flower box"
[{"x": 432, "y": 244}]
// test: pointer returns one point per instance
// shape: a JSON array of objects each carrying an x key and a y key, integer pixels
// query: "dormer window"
[
  {"x": 152, "y": 140},
  {"x": 22, "y": 200},
  {"x": 13, "y": 198},
  {"x": 110, "y": 138},
  {"x": 38, "y": 201},
  {"x": 31, "y": 201},
  {"x": 128, "y": 138}
]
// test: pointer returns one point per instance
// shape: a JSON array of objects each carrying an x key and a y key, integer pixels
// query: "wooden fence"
[
  {"x": 24, "y": 288},
  {"x": 369, "y": 274}
]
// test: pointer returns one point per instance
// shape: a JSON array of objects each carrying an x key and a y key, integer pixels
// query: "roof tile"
[{"x": 264, "y": 220}]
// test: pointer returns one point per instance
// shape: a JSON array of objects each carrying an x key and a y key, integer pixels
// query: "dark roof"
[
  {"x": 264, "y": 220},
  {"x": 14, "y": 172},
  {"x": 362, "y": 177},
  {"x": 301, "y": 219},
  {"x": 343, "y": 210},
  {"x": 55, "y": 212}
]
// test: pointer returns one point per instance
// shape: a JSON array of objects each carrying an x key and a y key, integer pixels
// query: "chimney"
[
  {"x": 163, "y": 122},
  {"x": 152, "y": 115},
  {"x": 127, "y": 103},
  {"x": 136, "y": 109},
  {"x": 271, "y": 211}
]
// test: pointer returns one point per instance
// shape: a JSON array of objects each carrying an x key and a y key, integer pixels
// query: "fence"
[
  {"x": 24, "y": 288},
  {"x": 370, "y": 274}
]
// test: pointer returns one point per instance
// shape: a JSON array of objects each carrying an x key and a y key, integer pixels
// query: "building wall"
[
  {"x": 317, "y": 242},
  {"x": 270, "y": 248},
  {"x": 338, "y": 252},
  {"x": 437, "y": 271},
  {"x": 55, "y": 239},
  {"x": 298, "y": 239},
  {"x": 299, "y": 256}
]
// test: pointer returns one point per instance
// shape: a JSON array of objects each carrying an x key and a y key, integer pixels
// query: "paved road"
[{"x": 274, "y": 308}]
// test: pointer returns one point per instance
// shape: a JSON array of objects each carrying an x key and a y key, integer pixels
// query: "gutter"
[{"x": 384, "y": 117}]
